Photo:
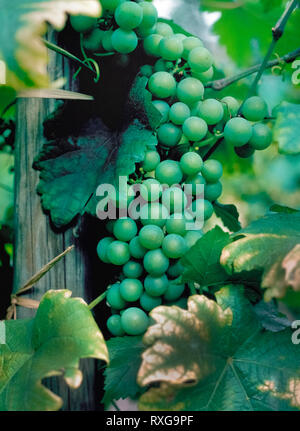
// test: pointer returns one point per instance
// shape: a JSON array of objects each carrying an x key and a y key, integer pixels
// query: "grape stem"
[
  {"x": 220, "y": 84},
  {"x": 97, "y": 300}
]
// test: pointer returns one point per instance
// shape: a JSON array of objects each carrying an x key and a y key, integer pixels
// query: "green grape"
[
  {"x": 168, "y": 172},
  {"x": 151, "y": 45},
  {"x": 213, "y": 191},
  {"x": 146, "y": 70},
  {"x": 163, "y": 108},
  {"x": 191, "y": 163},
  {"x": 110, "y": 5},
  {"x": 134, "y": 321},
  {"x": 169, "y": 135},
  {"x": 232, "y": 106},
  {"x": 212, "y": 170},
  {"x": 110, "y": 226},
  {"x": 151, "y": 190},
  {"x": 125, "y": 229},
  {"x": 114, "y": 298},
  {"x": 195, "y": 181},
  {"x": 155, "y": 262},
  {"x": 131, "y": 289},
  {"x": 164, "y": 29},
  {"x": 107, "y": 42},
  {"x": 245, "y": 151},
  {"x": 175, "y": 270},
  {"x": 180, "y": 36},
  {"x": 204, "y": 77},
  {"x": 261, "y": 137},
  {"x": 170, "y": 48},
  {"x": 128, "y": 15},
  {"x": 151, "y": 237},
  {"x": 118, "y": 252},
  {"x": 124, "y": 41},
  {"x": 174, "y": 199},
  {"x": 149, "y": 302},
  {"x": 162, "y": 85},
  {"x": 93, "y": 40},
  {"x": 200, "y": 205},
  {"x": 255, "y": 109},
  {"x": 211, "y": 110},
  {"x": 190, "y": 91},
  {"x": 174, "y": 246},
  {"x": 114, "y": 325},
  {"x": 151, "y": 160},
  {"x": 238, "y": 131},
  {"x": 189, "y": 44},
  {"x": 195, "y": 128},
  {"x": 181, "y": 303},
  {"x": 154, "y": 213},
  {"x": 191, "y": 237},
  {"x": 132, "y": 269},
  {"x": 82, "y": 23},
  {"x": 156, "y": 286},
  {"x": 178, "y": 113},
  {"x": 200, "y": 59},
  {"x": 144, "y": 32},
  {"x": 176, "y": 224},
  {"x": 161, "y": 65},
  {"x": 149, "y": 15},
  {"x": 102, "y": 248},
  {"x": 174, "y": 291},
  {"x": 136, "y": 249}
]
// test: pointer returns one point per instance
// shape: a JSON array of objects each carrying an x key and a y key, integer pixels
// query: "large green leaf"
[
  {"x": 20, "y": 29},
  {"x": 232, "y": 363},
  {"x": 271, "y": 246},
  {"x": 286, "y": 128},
  {"x": 62, "y": 332}
]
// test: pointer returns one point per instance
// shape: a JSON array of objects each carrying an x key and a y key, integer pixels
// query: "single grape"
[
  {"x": 110, "y": 5},
  {"x": 102, "y": 248},
  {"x": 93, "y": 40},
  {"x": 151, "y": 190},
  {"x": 174, "y": 291},
  {"x": 169, "y": 135},
  {"x": 178, "y": 113},
  {"x": 255, "y": 109},
  {"x": 131, "y": 289},
  {"x": 212, "y": 170},
  {"x": 213, "y": 191},
  {"x": 211, "y": 110},
  {"x": 132, "y": 269},
  {"x": 168, "y": 172},
  {"x": 151, "y": 160},
  {"x": 170, "y": 48},
  {"x": 149, "y": 15},
  {"x": 82, "y": 23},
  {"x": 174, "y": 199},
  {"x": 162, "y": 65},
  {"x": 149, "y": 302},
  {"x": 114, "y": 298},
  {"x": 194, "y": 128},
  {"x": 155, "y": 262},
  {"x": 197, "y": 183},
  {"x": 200, "y": 59},
  {"x": 174, "y": 246},
  {"x": 124, "y": 41},
  {"x": 134, "y": 321},
  {"x": 107, "y": 42},
  {"x": 136, "y": 249},
  {"x": 261, "y": 137},
  {"x": 192, "y": 236},
  {"x": 176, "y": 224},
  {"x": 151, "y": 237},
  {"x": 175, "y": 270},
  {"x": 204, "y": 77},
  {"x": 245, "y": 151},
  {"x": 232, "y": 106},
  {"x": 163, "y": 108},
  {"x": 238, "y": 131},
  {"x": 128, "y": 15},
  {"x": 146, "y": 70},
  {"x": 151, "y": 44},
  {"x": 162, "y": 85},
  {"x": 114, "y": 325},
  {"x": 202, "y": 205},
  {"x": 125, "y": 229},
  {"x": 190, "y": 91},
  {"x": 164, "y": 29},
  {"x": 118, "y": 252},
  {"x": 156, "y": 286},
  {"x": 191, "y": 163},
  {"x": 189, "y": 44},
  {"x": 154, "y": 213},
  {"x": 144, "y": 32}
]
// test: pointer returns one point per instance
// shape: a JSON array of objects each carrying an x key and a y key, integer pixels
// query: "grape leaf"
[
  {"x": 229, "y": 216},
  {"x": 233, "y": 364},
  {"x": 20, "y": 29},
  {"x": 269, "y": 245},
  {"x": 120, "y": 374},
  {"x": 202, "y": 261},
  {"x": 286, "y": 128},
  {"x": 270, "y": 317},
  {"x": 62, "y": 332},
  {"x": 282, "y": 209}
]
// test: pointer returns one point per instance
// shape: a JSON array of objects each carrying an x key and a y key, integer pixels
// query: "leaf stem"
[
  {"x": 97, "y": 300},
  {"x": 213, "y": 148}
]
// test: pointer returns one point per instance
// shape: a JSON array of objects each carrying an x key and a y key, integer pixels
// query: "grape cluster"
[{"x": 119, "y": 28}]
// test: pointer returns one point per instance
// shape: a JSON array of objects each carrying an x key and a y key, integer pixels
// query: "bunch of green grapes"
[
  {"x": 119, "y": 28},
  {"x": 149, "y": 247}
]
